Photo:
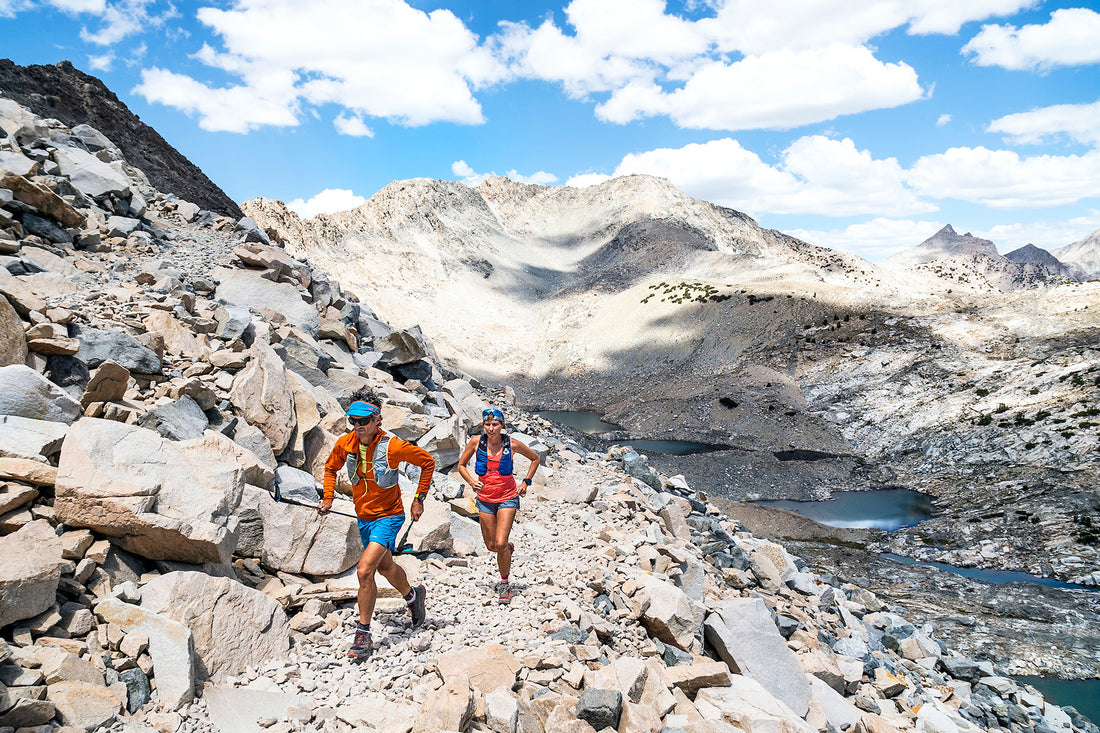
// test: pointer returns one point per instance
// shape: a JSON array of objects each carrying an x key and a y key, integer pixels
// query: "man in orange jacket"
[{"x": 371, "y": 457}]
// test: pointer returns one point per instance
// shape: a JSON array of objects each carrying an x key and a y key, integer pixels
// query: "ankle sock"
[
  {"x": 409, "y": 598},
  {"x": 362, "y": 627},
  {"x": 504, "y": 580}
]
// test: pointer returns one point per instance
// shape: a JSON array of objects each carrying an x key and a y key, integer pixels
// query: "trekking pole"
[
  {"x": 277, "y": 494},
  {"x": 403, "y": 546}
]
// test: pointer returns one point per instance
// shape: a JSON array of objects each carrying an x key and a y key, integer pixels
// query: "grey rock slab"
[
  {"x": 26, "y": 393},
  {"x": 743, "y": 633},
  {"x": 838, "y": 711},
  {"x": 248, "y": 289},
  {"x": 600, "y": 708},
  {"x": 160, "y": 499},
  {"x": 750, "y": 707},
  {"x": 263, "y": 395},
  {"x": 30, "y": 570},
  {"x": 27, "y": 713},
  {"x": 98, "y": 346},
  {"x": 296, "y": 539},
  {"x": 667, "y": 613},
  {"x": 233, "y": 625},
  {"x": 179, "y": 420},
  {"x": 13, "y": 344},
  {"x": 170, "y": 646},
  {"x": 237, "y": 709},
  {"x": 23, "y": 437},
  {"x": 90, "y": 175}
]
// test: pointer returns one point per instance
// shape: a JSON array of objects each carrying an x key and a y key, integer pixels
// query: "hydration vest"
[
  {"x": 481, "y": 465},
  {"x": 384, "y": 476}
]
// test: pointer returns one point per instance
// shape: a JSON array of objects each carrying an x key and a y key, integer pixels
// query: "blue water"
[
  {"x": 585, "y": 421},
  {"x": 886, "y": 509},
  {"x": 592, "y": 423},
  {"x": 1084, "y": 695},
  {"x": 997, "y": 577}
]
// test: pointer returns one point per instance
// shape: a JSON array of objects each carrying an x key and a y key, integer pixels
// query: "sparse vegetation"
[{"x": 981, "y": 391}]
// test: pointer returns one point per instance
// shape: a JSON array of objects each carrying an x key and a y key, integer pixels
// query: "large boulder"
[
  {"x": 743, "y": 633},
  {"x": 36, "y": 440},
  {"x": 296, "y": 539},
  {"x": 485, "y": 668},
  {"x": 249, "y": 289},
  {"x": 263, "y": 395},
  {"x": 98, "y": 346},
  {"x": 179, "y": 420},
  {"x": 402, "y": 347},
  {"x": 178, "y": 337},
  {"x": 170, "y": 645},
  {"x": 43, "y": 199},
  {"x": 84, "y": 704},
  {"x": 667, "y": 613},
  {"x": 20, "y": 295},
  {"x": 90, "y": 175},
  {"x": 13, "y": 344},
  {"x": 233, "y": 626},
  {"x": 26, "y": 393},
  {"x": 30, "y": 569},
  {"x": 161, "y": 499},
  {"x": 749, "y": 707}
]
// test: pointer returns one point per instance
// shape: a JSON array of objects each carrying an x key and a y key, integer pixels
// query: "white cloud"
[
  {"x": 817, "y": 175},
  {"x": 753, "y": 27},
  {"x": 328, "y": 201},
  {"x": 584, "y": 180},
  {"x": 470, "y": 177},
  {"x": 943, "y": 120},
  {"x": 102, "y": 62},
  {"x": 231, "y": 109},
  {"x": 80, "y": 6},
  {"x": 776, "y": 90},
  {"x": 1079, "y": 122},
  {"x": 353, "y": 126},
  {"x": 1069, "y": 39},
  {"x": 1049, "y": 235},
  {"x": 1002, "y": 179},
  {"x": 872, "y": 240},
  {"x": 373, "y": 58},
  {"x": 120, "y": 19}
]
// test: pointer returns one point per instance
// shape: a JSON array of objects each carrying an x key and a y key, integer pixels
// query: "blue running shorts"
[
  {"x": 383, "y": 531},
  {"x": 491, "y": 507}
]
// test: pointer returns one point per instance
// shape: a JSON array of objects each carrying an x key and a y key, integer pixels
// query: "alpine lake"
[{"x": 886, "y": 509}]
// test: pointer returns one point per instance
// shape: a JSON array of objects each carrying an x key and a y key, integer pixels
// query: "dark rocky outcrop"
[{"x": 68, "y": 94}]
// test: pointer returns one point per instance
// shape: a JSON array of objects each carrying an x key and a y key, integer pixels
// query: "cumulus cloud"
[
  {"x": 943, "y": 119},
  {"x": 1003, "y": 179},
  {"x": 1049, "y": 235},
  {"x": 584, "y": 180},
  {"x": 328, "y": 201},
  {"x": 229, "y": 109},
  {"x": 872, "y": 240},
  {"x": 353, "y": 126},
  {"x": 1078, "y": 122},
  {"x": 102, "y": 62},
  {"x": 470, "y": 177},
  {"x": 373, "y": 58},
  {"x": 1068, "y": 39},
  {"x": 119, "y": 19},
  {"x": 816, "y": 175},
  {"x": 776, "y": 90}
]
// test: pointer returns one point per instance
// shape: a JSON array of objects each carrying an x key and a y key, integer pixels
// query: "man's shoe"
[
  {"x": 362, "y": 646},
  {"x": 505, "y": 594},
  {"x": 416, "y": 605}
]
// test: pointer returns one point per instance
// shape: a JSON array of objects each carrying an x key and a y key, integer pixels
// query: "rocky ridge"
[{"x": 162, "y": 365}]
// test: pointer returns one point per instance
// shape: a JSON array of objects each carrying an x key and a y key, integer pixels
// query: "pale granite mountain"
[{"x": 1082, "y": 256}]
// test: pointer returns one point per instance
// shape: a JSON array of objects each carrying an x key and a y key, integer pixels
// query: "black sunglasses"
[{"x": 357, "y": 421}]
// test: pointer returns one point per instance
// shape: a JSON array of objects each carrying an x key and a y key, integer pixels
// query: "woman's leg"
[
  {"x": 488, "y": 524},
  {"x": 503, "y": 528}
]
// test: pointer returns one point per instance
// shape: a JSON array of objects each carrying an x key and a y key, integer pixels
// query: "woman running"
[{"x": 497, "y": 492}]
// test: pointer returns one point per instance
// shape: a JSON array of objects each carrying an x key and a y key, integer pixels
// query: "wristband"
[
  {"x": 527, "y": 481},
  {"x": 418, "y": 497}
]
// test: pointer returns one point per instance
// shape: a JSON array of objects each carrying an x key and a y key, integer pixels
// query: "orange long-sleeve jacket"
[{"x": 371, "y": 500}]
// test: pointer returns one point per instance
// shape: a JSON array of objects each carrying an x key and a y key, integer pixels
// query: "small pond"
[
  {"x": 886, "y": 509},
  {"x": 1084, "y": 695},
  {"x": 593, "y": 424},
  {"x": 996, "y": 577}
]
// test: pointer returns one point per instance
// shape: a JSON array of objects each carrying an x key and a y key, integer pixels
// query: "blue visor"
[{"x": 362, "y": 409}]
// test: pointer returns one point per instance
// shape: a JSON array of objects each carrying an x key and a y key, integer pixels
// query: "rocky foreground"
[{"x": 161, "y": 367}]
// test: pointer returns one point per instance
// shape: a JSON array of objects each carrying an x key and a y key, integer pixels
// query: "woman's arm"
[
  {"x": 518, "y": 446},
  {"x": 463, "y": 459}
]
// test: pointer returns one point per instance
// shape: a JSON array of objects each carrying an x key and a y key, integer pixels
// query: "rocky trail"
[{"x": 161, "y": 365}]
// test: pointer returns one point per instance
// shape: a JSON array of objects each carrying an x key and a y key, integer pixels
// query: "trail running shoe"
[
  {"x": 362, "y": 646},
  {"x": 505, "y": 593},
  {"x": 416, "y": 605},
  {"x": 511, "y": 548}
]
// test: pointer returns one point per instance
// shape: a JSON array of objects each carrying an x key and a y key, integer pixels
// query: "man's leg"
[{"x": 369, "y": 563}]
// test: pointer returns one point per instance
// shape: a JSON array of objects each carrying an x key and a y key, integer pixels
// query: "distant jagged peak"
[
  {"x": 949, "y": 242},
  {"x": 1029, "y": 253}
]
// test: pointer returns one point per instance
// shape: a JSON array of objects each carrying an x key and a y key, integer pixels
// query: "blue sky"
[{"x": 862, "y": 125}]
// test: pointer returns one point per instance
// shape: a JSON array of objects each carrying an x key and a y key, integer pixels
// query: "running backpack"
[
  {"x": 481, "y": 466},
  {"x": 384, "y": 476}
]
